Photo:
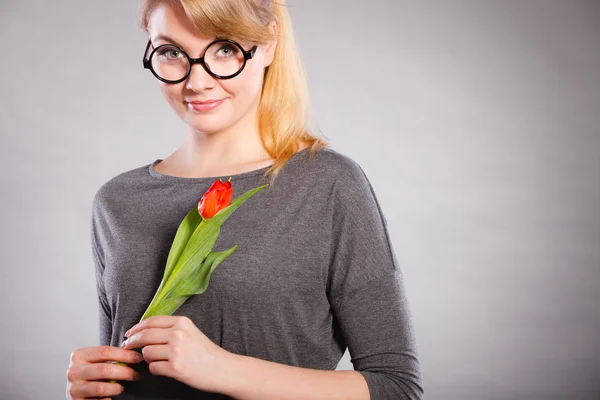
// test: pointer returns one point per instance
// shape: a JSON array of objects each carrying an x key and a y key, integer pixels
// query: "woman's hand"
[
  {"x": 173, "y": 346},
  {"x": 90, "y": 365}
]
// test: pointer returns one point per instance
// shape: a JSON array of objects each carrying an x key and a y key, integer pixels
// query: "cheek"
[
  {"x": 171, "y": 93},
  {"x": 168, "y": 90},
  {"x": 173, "y": 96},
  {"x": 247, "y": 85}
]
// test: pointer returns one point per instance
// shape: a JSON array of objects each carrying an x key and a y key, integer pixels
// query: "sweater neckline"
[{"x": 234, "y": 177}]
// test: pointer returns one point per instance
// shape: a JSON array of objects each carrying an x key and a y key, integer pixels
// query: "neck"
[{"x": 233, "y": 149}]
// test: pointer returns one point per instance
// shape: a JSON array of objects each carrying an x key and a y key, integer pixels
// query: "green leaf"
[
  {"x": 191, "y": 285},
  {"x": 202, "y": 278},
  {"x": 198, "y": 247},
  {"x": 184, "y": 232}
]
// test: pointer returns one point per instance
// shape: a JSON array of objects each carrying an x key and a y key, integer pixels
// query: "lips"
[
  {"x": 205, "y": 105},
  {"x": 204, "y": 102}
]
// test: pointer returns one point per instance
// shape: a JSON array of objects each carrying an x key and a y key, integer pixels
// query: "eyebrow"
[{"x": 160, "y": 36}]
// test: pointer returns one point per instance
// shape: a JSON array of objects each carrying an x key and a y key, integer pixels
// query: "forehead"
[
  {"x": 170, "y": 20},
  {"x": 168, "y": 23}
]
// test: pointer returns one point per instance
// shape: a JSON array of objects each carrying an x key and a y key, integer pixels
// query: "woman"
[{"x": 314, "y": 271}]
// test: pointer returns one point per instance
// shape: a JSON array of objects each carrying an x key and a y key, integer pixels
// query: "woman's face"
[{"x": 240, "y": 94}]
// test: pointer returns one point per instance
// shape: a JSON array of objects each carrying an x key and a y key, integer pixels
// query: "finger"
[
  {"x": 95, "y": 389},
  {"x": 156, "y": 353},
  {"x": 109, "y": 353},
  {"x": 160, "y": 368},
  {"x": 100, "y": 371},
  {"x": 146, "y": 337},
  {"x": 157, "y": 321}
]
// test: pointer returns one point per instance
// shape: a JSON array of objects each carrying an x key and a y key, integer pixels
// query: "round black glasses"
[{"x": 222, "y": 59}]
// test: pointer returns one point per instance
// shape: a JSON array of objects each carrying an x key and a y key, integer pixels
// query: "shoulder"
[
  {"x": 351, "y": 191},
  {"x": 120, "y": 186},
  {"x": 345, "y": 175},
  {"x": 338, "y": 168}
]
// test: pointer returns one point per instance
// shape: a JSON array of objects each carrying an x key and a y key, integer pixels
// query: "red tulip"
[{"x": 215, "y": 199}]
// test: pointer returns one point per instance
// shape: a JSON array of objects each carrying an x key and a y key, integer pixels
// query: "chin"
[{"x": 207, "y": 127}]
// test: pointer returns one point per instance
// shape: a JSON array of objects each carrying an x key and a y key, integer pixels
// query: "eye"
[
  {"x": 227, "y": 50},
  {"x": 170, "y": 53}
]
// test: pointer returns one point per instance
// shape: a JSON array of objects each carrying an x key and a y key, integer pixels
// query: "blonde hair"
[{"x": 284, "y": 113}]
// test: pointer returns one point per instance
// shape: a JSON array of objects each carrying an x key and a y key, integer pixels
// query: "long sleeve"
[
  {"x": 105, "y": 331},
  {"x": 366, "y": 291}
]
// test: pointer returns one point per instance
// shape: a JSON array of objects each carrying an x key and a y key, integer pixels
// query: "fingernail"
[
  {"x": 127, "y": 333},
  {"x": 137, "y": 376},
  {"x": 124, "y": 344},
  {"x": 138, "y": 357}
]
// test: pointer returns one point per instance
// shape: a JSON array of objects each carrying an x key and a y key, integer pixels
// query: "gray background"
[{"x": 477, "y": 123}]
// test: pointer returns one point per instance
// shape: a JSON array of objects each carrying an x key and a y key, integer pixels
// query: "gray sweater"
[{"x": 314, "y": 272}]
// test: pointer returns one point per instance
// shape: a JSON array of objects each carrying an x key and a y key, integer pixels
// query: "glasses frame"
[{"x": 248, "y": 54}]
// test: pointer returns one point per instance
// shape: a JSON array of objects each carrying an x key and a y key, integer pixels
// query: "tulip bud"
[{"x": 217, "y": 197}]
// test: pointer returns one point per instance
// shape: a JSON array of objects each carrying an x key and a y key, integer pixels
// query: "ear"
[{"x": 271, "y": 46}]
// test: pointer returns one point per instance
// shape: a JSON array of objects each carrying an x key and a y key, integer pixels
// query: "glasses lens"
[
  {"x": 224, "y": 58},
  {"x": 170, "y": 63}
]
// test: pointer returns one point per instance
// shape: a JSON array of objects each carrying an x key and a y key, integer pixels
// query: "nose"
[{"x": 199, "y": 79}]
